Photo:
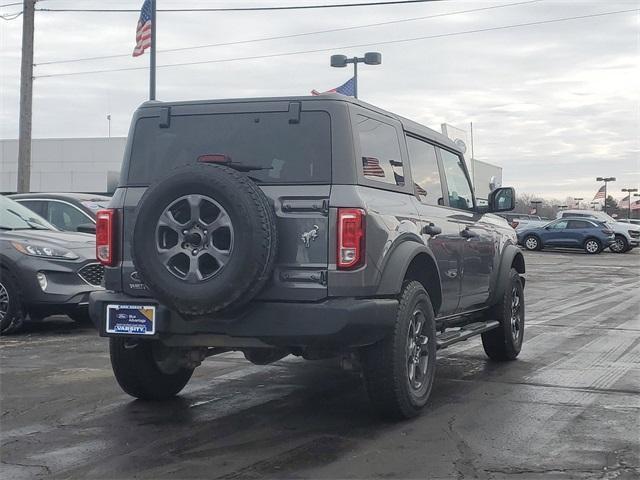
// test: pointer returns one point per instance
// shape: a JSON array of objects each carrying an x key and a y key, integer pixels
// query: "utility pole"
[{"x": 26, "y": 97}]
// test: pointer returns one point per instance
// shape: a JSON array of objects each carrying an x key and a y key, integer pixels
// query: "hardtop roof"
[{"x": 409, "y": 125}]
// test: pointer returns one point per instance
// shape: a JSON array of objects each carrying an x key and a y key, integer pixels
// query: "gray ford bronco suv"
[{"x": 313, "y": 226}]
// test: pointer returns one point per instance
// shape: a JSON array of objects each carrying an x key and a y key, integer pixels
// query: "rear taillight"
[
  {"x": 105, "y": 237},
  {"x": 350, "y": 238},
  {"x": 606, "y": 231}
]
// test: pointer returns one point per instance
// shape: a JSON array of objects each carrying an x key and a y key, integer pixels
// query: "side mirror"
[
  {"x": 502, "y": 199},
  {"x": 87, "y": 228}
]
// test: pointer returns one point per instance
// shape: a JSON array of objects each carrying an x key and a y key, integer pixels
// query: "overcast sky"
[{"x": 555, "y": 104}]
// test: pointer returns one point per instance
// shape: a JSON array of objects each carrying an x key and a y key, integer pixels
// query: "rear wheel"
[
  {"x": 592, "y": 246},
  {"x": 137, "y": 369},
  {"x": 531, "y": 242},
  {"x": 505, "y": 342},
  {"x": 399, "y": 370},
  {"x": 620, "y": 245},
  {"x": 11, "y": 312}
]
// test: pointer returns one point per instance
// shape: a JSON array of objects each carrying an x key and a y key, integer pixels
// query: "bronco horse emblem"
[{"x": 309, "y": 236}]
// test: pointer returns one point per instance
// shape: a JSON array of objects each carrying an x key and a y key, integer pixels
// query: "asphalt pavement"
[{"x": 569, "y": 407}]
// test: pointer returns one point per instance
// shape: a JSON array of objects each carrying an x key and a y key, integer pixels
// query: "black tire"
[
  {"x": 592, "y": 246},
  {"x": 11, "y": 307},
  {"x": 138, "y": 373},
  {"x": 504, "y": 343},
  {"x": 531, "y": 243},
  {"x": 621, "y": 245},
  {"x": 386, "y": 364},
  {"x": 252, "y": 249}
]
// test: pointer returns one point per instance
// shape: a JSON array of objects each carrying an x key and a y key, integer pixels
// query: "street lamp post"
[
  {"x": 605, "y": 180},
  {"x": 341, "y": 61},
  {"x": 629, "y": 191}
]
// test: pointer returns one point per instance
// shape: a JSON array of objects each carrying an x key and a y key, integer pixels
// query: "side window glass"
[
  {"x": 65, "y": 216},
  {"x": 381, "y": 159},
  {"x": 34, "y": 205},
  {"x": 457, "y": 183},
  {"x": 424, "y": 169},
  {"x": 560, "y": 225},
  {"x": 578, "y": 224}
]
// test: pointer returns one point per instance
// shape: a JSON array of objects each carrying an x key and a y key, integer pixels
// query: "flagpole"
[{"x": 152, "y": 56}]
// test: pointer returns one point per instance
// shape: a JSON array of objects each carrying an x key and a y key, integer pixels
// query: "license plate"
[{"x": 131, "y": 319}]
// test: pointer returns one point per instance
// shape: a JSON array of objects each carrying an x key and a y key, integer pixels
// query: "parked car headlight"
[{"x": 44, "y": 250}]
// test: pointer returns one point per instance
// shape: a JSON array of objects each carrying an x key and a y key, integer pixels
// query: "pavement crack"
[
  {"x": 46, "y": 469},
  {"x": 464, "y": 465}
]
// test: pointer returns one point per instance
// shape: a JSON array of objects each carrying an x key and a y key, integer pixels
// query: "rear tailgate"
[
  {"x": 293, "y": 148},
  {"x": 303, "y": 243}
]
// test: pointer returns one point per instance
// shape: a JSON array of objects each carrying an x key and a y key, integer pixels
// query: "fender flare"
[
  {"x": 510, "y": 254},
  {"x": 397, "y": 264}
]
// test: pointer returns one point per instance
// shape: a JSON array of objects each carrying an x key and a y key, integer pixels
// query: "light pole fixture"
[
  {"x": 630, "y": 191},
  {"x": 109, "y": 124},
  {"x": 341, "y": 61},
  {"x": 605, "y": 180}
]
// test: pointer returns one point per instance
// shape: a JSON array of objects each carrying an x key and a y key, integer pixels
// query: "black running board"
[{"x": 448, "y": 338}]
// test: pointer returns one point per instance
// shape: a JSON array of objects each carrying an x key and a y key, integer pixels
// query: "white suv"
[{"x": 627, "y": 235}]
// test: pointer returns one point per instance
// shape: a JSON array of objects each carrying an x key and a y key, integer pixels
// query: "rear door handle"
[
  {"x": 432, "y": 230},
  {"x": 466, "y": 233}
]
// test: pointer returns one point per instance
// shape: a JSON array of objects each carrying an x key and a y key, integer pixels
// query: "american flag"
[
  {"x": 143, "y": 32},
  {"x": 348, "y": 88},
  {"x": 624, "y": 203},
  {"x": 371, "y": 167},
  {"x": 600, "y": 193}
]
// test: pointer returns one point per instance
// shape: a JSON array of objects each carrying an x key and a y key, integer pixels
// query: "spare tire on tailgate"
[{"x": 205, "y": 239}]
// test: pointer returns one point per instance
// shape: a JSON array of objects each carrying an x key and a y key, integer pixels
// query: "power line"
[
  {"x": 241, "y": 9},
  {"x": 11, "y": 16},
  {"x": 372, "y": 44},
  {"x": 294, "y": 35},
  {"x": 10, "y": 4}
]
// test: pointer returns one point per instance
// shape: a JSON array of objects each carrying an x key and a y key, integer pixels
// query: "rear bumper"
[{"x": 332, "y": 323}]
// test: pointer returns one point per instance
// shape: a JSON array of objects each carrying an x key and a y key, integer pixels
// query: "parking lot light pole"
[
  {"x": 630, "y": 191},
  {"x": 341, "y": 61},
  {"x": 605, "y": 180}
]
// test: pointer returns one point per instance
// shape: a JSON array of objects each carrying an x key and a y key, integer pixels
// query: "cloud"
[{"x": 556, "y": 105}]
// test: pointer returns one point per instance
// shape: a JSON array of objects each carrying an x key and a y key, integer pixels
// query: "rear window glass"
[{"x": 282, "y": 152}]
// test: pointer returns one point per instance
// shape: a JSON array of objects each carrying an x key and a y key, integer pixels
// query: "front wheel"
[
  {"x": 532, "y": 243},
  {"x": 11, "y": 312},
  {"x": 137, "y": 370},
  {"x": 620, "y": 245},
  {"x": 592, "y": 246},
  {"x": 399, "y": 370},
  {"x": 505, "y": 342}
]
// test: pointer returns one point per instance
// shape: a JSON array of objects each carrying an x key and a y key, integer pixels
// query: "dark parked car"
[
  {"x": 71, "y": 212},
  {"x": 313, "y": 226},
  {"x": 43, "y": 271},
  {"x": 590, "y": 235}
]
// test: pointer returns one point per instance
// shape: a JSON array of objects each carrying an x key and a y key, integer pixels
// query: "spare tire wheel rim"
[{"x": 194, "y": 238}]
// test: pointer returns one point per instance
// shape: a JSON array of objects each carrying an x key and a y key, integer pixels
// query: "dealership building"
[{"x": 65, "y": 164}]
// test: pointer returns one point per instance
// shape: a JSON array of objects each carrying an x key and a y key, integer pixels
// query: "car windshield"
[{"x": 14, "y": 216}]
